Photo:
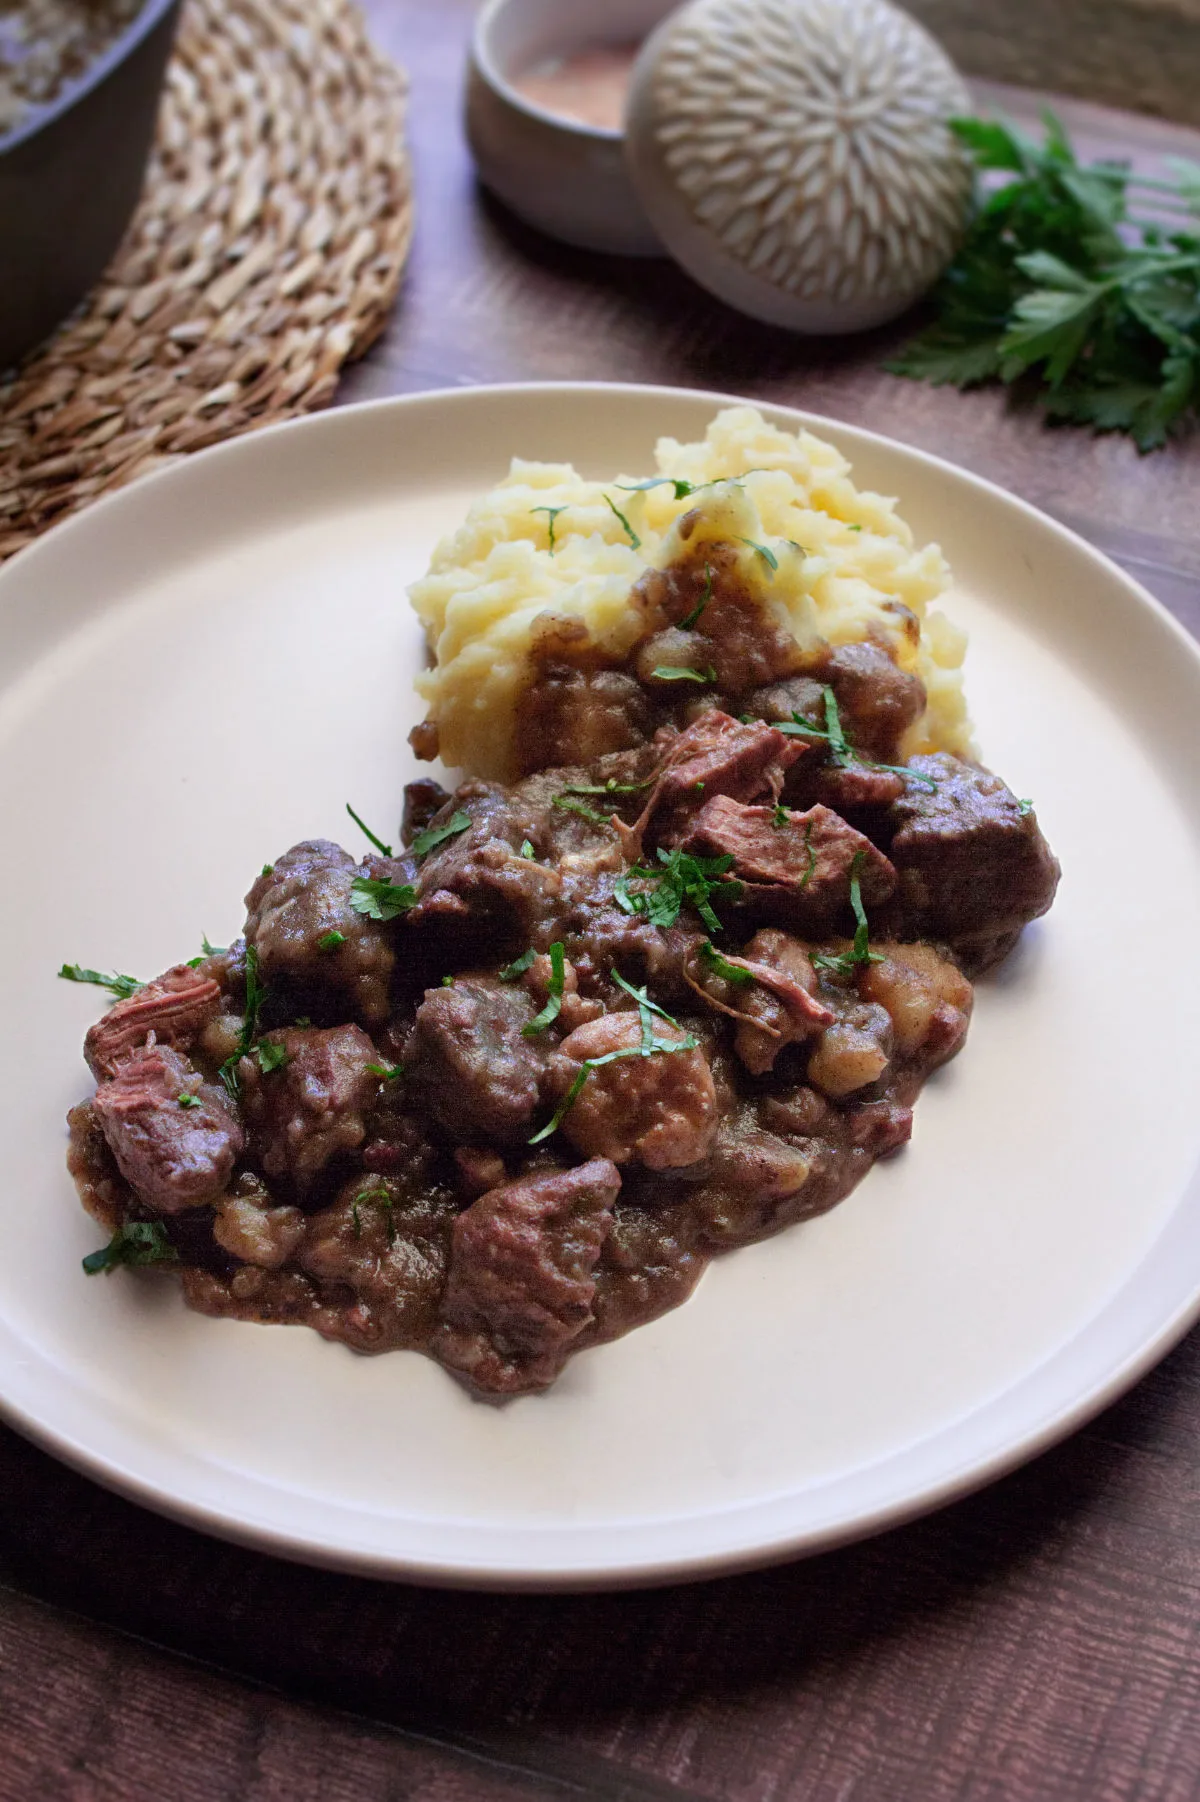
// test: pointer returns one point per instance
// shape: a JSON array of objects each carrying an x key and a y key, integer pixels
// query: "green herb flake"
[
  {"x": 255, "y": 995},
  {"x": 270, "y": 1056},
  {"x": 518, "y": 966},
  {"x": 553, "y": 1005},
  {"x": 634, "y": 540},
  {"x": 379, "y": 1198},
  {"x": 683, "y": 878},
  {"x": 437, "y": 835},
  {"x": 120, "y": 986},
  {"x": 268, "y": 869},
  {"x": 386, "y": 1072},
  {"x": 1025, "y": 806},
  {"x": 686, "y": 624},
  {"x": 682, "y": 489},
  {"x": 768, "y": 556},
  {"x": 527, "y": 850},
  {"x": 565, "y": 802},
  {"x": 367, "y": 833},
  {"x": 850, "y": 528},
  {"x": 138, "y": 1243},
  {"x": 671, "y": 672},
  {"x": 187, "y": 1099},
  {"x": 720, "y": 966},
  {"x": 781, "y": 817},
  {"x": 331, "y": 941},
  {"x": 552, "y": 514},
  {"x": 846, "y": 962},
  {"x": 381, "y": 900},
  {"x": 611, "y": 787}
]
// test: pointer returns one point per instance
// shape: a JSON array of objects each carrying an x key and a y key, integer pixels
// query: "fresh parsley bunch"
[{"x": 1057, "y": 276}]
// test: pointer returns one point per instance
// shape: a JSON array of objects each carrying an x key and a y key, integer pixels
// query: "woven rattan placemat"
[{"x": 265, "y": 253}]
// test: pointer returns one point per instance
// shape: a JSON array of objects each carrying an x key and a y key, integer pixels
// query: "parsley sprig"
[
  {"x": 366, "y": 830},
  {"x": 381, "y": 900},
  {"x": 255, "y": 996},
  {"x": 120, "y": 986},
  {"x": 424, "y": 842},
  {"x": 137, "y": 1243},
  {"x": 683, "y": 879},
  {"x": 550, "y": 1012},
  {"x": 1058, "y": 281},
  {"x": 846, "y": 962}
]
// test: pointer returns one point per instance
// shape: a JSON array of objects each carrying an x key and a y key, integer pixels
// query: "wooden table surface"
[{"x": 1037, "y": 1643}]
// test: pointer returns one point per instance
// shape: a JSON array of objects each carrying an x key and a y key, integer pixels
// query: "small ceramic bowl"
[
  {"x": 566, "y": 178},
  {"x": 70, "y": 176}
]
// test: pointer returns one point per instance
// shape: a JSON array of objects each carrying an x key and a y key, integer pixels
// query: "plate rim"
[{"x": 1146, "y": 1347}]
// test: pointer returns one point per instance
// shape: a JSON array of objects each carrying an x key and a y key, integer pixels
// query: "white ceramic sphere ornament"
[{"x": 795, "y": 157}]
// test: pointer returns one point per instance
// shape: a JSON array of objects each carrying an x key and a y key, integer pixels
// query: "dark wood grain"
[{"x": 1039, "y": 1642}]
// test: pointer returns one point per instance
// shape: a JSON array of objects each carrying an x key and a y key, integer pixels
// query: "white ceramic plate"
[{"x": 205, "y": 668}]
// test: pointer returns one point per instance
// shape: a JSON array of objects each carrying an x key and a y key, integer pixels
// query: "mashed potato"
[{"x": 547, "y": 540}]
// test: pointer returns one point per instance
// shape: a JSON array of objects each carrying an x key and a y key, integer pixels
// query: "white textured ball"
[{"x": 795, "y": 158}]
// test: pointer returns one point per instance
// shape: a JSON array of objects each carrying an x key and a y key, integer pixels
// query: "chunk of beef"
[
  {"x": 522, "y": 1277},
  {"x": 422, "y": 799},
  {"x": 971, "y": 860},
  {"x": 570, "y": 715},
  {"x": 877, "y": 700},
  {"x": 599, "y": 934},
  {"x": 174, "y": 1154},
  {"x": 756, "y": 1183},
  {"x": 301, "y": 923},
  {"x": 479, "y": 877},
  {"x": 310, "y": 1109},
  {"x": 387, "y": 1243},
  {"x": 659, "y": 1110},
  {"x": 718, "y": 755},
  {"x": 799, "y": 698},
  {"x": 797, "y": 867},
  {"x": 467, "y": 1064},
  {"x": 778, "y": 1005},
  {"x": 175, "y": 1007}
]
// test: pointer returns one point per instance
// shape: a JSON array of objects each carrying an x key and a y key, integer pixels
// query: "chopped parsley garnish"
[
  {"x": 611, "y": 787},
  {"x": 702, "y": 603},
  {"x": 382, "y": 1199},
  {"x": 781, "y": 817},
  {"x": 187, "y": 1099},
  {"x": 682, "y": 488},
  {"x": 634, "y": 540},
  {"x": 854, "y": 528},
  {"x": 646, "y": 1007},
  {"x": 518, "y": 966},
  {"x": 120, "y": 986},
  {"x": 582, "y": 809},
  {"x": 846, "y": 962},
  {"x": 137, "y": 1243},
  {"x": 268, "y": 869},
  {"x": 553, "y": 1005},
  {"x": 721, "y": 966},
  {"x": 255, "y": 993},
  {"x": 211, "y": 950},
  {"x": 1024, "y": 806},
  {"x": 841, "y": 752},
  {"x": 447, "y": 982},
  {"x": 552, "y": 514},
  {"x": 270, "y": 1056},
  {"x": 386, "y": 1072},
  {"x": 381, "y": 900},
  {"x": 673, "y": 672},
  {"x": 801, "y": 550},
  {"x": 366, "y": 830},
  {"x": 331, "y": 941},
  {"x": 768, "y": 556},
  {"x": 437, "y": 835},
  {"x": 527, "y": 849},
  {"x": 812, "y": 855},
  {"x": 683, "y": 878}
]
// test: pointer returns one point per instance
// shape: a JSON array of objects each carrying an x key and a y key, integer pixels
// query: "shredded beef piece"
[
  {"x": 522, "y": 1277},
  {"x": 773, "y": 1018},
  {"x": 718, "y": 755},
  {"x": 175, "y": 1008},
  {"x": 172, "y": 1156},
  {"x": 467, "y": 1063},
  {"x": 311, "y": 1108},
  {"x": 660, "y": 1110},
  {"x": 797, "y": 870},
  {"x": 296, "y": 911},
  {"x": 877, "y": 701},
  {"x": 971, "y": 864}
]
